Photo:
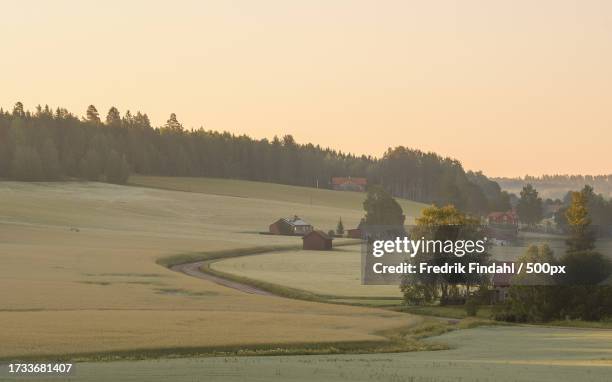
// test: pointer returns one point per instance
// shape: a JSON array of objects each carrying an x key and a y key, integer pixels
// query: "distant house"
[
  {"x": 354, "y": 233},
  {"x": 290, "y": 226},
  {"x": 503, "y": 218},
  {"x": 502, "y": 225},
  {"x": 317, "y": 240},
  {"x": 501, "y": 285},
  {"x": 349, "y": 184}
]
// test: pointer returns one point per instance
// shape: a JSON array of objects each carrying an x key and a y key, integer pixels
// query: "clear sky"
[{"x": 508, "y": 87}]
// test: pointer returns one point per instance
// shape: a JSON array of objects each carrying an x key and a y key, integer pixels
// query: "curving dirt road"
[{"x": 193, "y": 269}]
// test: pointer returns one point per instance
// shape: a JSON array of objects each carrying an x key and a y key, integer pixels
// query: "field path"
[{"x": 194, "y": 270}]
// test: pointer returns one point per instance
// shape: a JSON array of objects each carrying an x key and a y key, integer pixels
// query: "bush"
[{"x": 471, "y": 307}]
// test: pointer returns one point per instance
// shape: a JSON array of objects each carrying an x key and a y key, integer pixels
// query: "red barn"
[
  {"x": 354, "y": 233},
  {"x": 290, "y": 226},
  {"x": 317, "y": 240},
  {"x": 349, "y": 184}
]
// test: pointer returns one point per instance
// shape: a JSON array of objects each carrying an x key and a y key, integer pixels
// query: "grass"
[
  {"x": 408, "y": 338},
  {"x": 334, "y": 273},
  {"x": 47, "y": 311},
  {"x": 96, "y": 290},
  {"x": 581, "y": 324},
  {"x": 486, "y": 354},
  {"x": 450, "y": 311},
  {"x": 268, "y": 191}
]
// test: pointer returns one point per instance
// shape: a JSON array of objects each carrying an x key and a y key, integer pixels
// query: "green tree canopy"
[
  {"x": 529, "y": 208},
  {"x": 382, "y": 209}
]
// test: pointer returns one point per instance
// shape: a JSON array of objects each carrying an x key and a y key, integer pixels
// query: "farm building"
[
  {"x": 349, "y": 184},
  {"x": 317, "y": 240},
  {"x": 501, "y": 284},
  {"x": 354, "y": 233},
  {"x": 503, "y": 218},
  {"x": 502, "y": 225},
  {"x": 290, "y": 226}
]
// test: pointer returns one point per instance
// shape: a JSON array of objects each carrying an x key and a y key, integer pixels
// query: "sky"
[{"x": 507, "y": 87}]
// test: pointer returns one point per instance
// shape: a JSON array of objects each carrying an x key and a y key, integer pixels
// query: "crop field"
[
  {"x": 258, "y": 190},
  {"x": 79, "y": 272},
  {"x": 335, "y": 273},
  {"x": 485, "y": 354}
]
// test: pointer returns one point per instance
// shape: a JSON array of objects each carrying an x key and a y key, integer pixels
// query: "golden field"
[
  {"x": 79, "y": 275},
  {"x": 334, "y": 273}
]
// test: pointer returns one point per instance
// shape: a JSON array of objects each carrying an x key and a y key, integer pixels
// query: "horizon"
[{"x": 460, "y": 80}]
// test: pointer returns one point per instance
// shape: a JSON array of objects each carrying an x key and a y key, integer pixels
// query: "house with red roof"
[{"x": 349, "y": 184}]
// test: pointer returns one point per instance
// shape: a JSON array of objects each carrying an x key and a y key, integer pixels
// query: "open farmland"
[
  {"x": 334, "y": 273},
  {"x": 79, "y": 275},
  {"x": 486, "y": 354},
  {"x": 269, "y": 191}
]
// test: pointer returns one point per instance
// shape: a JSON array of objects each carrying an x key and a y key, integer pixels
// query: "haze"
[{"x": 507, "y": 87}]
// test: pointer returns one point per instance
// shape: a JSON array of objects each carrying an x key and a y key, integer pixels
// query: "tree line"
[
  {"x": 49, "y": 144},
  {"x": 553, "y": 183}
]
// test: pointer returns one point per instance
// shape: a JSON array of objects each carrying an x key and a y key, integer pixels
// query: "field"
[
  {"x": 79, "y": 272},
  {"x": 334, "y": 273},
  {"x": 337, "y": 273},
  {"x": 79, "y": 278},
  {"x": 268, "y": 191},
  {"x": 485, "y": 354}
]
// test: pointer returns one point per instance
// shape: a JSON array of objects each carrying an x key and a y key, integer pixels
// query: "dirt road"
[{"x": 194, "y": 270}]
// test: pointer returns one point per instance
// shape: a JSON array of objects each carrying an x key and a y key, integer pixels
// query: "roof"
[
  {"x": 340, "y": 180},
  {"x": 319, "y": 233},
  {"x": 495, "y": 215},
  {"x": 295, "y": 221}
]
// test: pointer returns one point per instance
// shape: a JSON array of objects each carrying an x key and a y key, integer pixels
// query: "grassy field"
[
  {"x": 79, "y": 272},
  {"x": 484, "y": 354},
  {"x": 333, "y": 273},
  {"x": 336, "y": 273},
  {"x": 304, "y": 196},
  {"x": 80, "y": 278}
]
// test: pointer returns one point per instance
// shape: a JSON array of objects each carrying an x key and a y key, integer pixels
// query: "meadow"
[
  {"x": 334, "y": 273},
  {"x": 304, "y": 196},
  {"x": 484, "y": 354},
  {"x": 79, "y": 272},
  {"x": 81, "y": 279}
]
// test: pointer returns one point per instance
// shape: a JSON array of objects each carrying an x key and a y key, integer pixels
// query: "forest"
[{"x": 54, "y": 144}]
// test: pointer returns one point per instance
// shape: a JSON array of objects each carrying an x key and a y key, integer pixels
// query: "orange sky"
[{"x": 508, "y": 87}]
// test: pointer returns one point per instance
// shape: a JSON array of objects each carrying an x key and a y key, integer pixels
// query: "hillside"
[
  {"x": 268, "y": 191},
  {"x": 79, "y": 263}
]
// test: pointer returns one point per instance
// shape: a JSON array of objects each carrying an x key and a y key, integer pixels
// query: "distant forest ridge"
[
  {"x": 55, "y": 144},
  {"x": 557, "y": 186}
]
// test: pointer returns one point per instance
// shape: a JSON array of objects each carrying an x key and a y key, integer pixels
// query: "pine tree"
[
  {"x": 340, "y": 228},
  {"x": 18, "y": 110},
  {"x": 173, "y": 124},
  {"x": 113, "y": 118},
  {"x": 92, "y": 114}
]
